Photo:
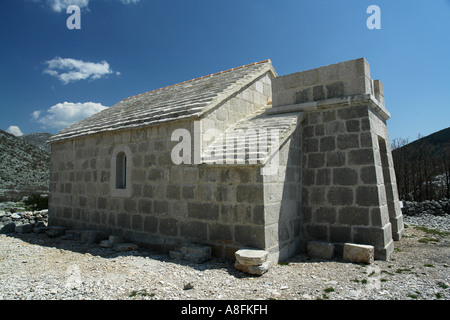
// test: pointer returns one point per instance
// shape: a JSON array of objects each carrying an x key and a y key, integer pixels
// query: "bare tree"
[
  {"x": 422, "y": 169},
  {"x": 401, "y": 165},
  {"x": 446, "y": 170}
]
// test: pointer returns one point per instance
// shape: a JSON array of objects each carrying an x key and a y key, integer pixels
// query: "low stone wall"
[
  {"x": 437, "y": 208},
  {"x": 22, "y": 217}
]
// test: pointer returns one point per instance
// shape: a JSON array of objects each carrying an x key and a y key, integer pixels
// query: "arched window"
[
  {"x": 121, "y": 171},
  {"x": 121, "y": 163}
]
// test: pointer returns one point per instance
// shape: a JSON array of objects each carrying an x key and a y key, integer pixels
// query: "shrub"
[{"x": 37, "y": 202}]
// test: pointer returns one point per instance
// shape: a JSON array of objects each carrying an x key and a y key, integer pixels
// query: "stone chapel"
[{"x": 242, "y": 157}]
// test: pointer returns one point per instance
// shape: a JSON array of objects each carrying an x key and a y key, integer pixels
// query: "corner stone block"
[
  {"x": 378, "y": 87},
  {"x": 358, "y": 253}
]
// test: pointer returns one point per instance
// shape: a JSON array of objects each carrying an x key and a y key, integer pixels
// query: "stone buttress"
[{"x": 349, "y": 190}]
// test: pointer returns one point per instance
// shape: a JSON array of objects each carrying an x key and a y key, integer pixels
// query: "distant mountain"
[
  {"x": 422, "y": 167},
  {"x": 438, "y": 141},
  {"x": 24, "y": 168},
  {"x": 38, "y": 139},
  {"x": 440, "y": 137}
]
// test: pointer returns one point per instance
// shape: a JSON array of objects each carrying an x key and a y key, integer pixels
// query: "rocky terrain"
[
  {"x": 38, "y": 139},
  {"x": 36, "y": 266},
  {"x": 24, "y": 168}
]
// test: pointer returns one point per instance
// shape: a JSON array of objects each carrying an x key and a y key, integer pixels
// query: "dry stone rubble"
[
  {"x": 433, "y": 207},
  {"x": 252, "y": 261}
]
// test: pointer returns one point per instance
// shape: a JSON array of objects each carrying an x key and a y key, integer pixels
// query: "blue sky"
[{"x": 51, "y": 76}]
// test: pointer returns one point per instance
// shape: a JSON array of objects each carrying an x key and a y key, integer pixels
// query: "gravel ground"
[
  {"x": 35, "y": 267},
  {"x": 433, "y": 221}
]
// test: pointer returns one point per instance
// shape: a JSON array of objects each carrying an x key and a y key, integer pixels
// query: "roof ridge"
[{"x": 210, "y": 75}]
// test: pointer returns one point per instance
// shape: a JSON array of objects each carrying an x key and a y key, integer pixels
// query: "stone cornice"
[{"x": 333, "y": 103}]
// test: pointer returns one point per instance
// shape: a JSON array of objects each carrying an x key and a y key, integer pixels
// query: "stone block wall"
[
  {"x": 334, "y": 81},
  {"x": 344, "y": 199},
  {"x": 167, "y": 205},
  {"x": 283, "y": 200},
  {"x": 163, "y": 204},
  {"x": 246, "y": 101},
  {"x": 386, "y": 172},
  {"x": 349, "y": 188}
]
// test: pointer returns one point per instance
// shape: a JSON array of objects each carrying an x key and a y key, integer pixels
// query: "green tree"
[{"x": 37, "y": 202}]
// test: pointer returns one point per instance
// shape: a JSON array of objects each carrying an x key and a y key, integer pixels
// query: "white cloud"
[
  {"x": 129, "y": 1},
  {"x": 36, "y": 114},
  {"x": 15, "y": 130},
  {"x": 68, "y": 70},
  {"x": 64, "y": 114},
  {"x": 61, "y": 5}
]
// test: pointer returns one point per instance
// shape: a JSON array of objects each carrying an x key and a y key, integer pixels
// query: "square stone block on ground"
[{"x": 358, "y": 253}]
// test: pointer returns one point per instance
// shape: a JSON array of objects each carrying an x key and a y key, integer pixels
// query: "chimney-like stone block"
[{"x": 334, "y": 81}]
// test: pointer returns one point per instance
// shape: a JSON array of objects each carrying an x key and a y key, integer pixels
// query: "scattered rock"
[
  {"x": 188, "y": 286},
  {"x": 40, "y": 229},
  {"x": 258, "y": 270},
  {"x": 8, "y": 228},
  {"x": 15, "y": 216},
  {"x": 432, "y": 221},
  {"x": 358, "y": 253},
  {"x": 112, "y": 240},
  {"x": 79, "y": 271},
  {"x": 55, "y": 231},
  {"x": 39, "y": 225},
  {"x": 24, "y": 228},
  {"x": 105, "y": 244},
  {"x": 252, "y": 261},
  {"x": 251, "y": 256}
]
